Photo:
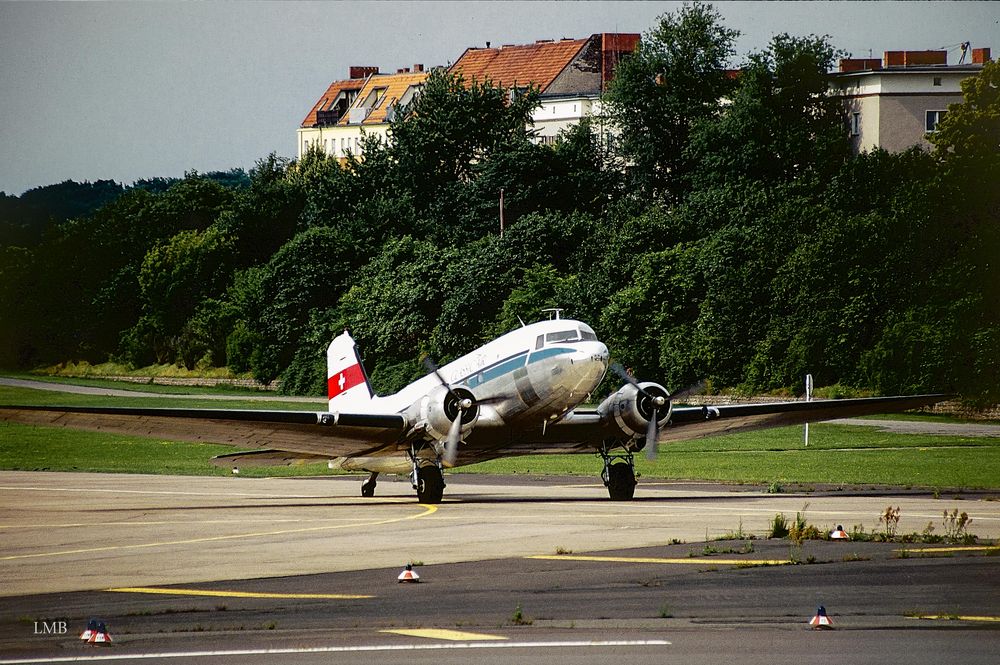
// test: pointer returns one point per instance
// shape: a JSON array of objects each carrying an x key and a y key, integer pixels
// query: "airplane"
[{"x": 519, "y": 394}]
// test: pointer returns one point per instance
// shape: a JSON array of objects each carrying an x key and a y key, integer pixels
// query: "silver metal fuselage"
[{"x": 528, "y": 377}]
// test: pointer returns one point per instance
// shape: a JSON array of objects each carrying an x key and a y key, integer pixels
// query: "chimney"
[
  {"x": 418, "y": 68},
  {"x": 487, "y": 44},
  {"x": 980, "y": 56},
  {"x": 360, "y": 72},
  {"x": 915, "y": 58},
  {"x": 859, "y": 64}
]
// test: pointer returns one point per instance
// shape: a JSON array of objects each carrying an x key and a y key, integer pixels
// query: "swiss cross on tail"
[{"x": 346, "y": 382}]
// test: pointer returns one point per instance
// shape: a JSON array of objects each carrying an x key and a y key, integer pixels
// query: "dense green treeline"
[{"x": 727, "y": 233}]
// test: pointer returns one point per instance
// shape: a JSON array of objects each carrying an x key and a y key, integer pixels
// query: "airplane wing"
[
  {"x": 701, "y": 421},
  {"x": 584, "y": 430},
  {"x": 310, "y": 434}
]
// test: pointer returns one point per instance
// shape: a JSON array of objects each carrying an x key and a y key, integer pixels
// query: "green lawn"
[{"x": 837, "y": 454}]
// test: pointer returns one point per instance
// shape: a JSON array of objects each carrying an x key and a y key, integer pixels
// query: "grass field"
[{"x": 837, "y": 454}]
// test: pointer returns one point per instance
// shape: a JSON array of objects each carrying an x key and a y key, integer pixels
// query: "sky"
[{"x": 130, "y": 90}]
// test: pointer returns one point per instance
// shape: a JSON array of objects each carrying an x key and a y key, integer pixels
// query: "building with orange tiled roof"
[
  {"x": 570, "y": 74},
  {"x": 356, "y": 107}
]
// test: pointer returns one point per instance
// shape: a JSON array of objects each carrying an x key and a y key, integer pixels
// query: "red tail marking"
[{"x": 344, "y": 380}]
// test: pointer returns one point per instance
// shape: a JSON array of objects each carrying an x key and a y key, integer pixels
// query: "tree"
[
  {"x": 676, "y": 77},
  {"x": 781, "y": 125}
]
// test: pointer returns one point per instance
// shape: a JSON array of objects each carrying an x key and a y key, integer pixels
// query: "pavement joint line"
[
  {"x": 688, "y": 560},
  {"x": 444, "y": 634},
  {"x": 342, "y": 649},
  {"x": 165, "y": 591},
  {"x": 428, "y": 510}
]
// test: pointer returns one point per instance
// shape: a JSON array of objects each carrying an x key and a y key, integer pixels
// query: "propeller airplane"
[{"x": 519, "y": 394}]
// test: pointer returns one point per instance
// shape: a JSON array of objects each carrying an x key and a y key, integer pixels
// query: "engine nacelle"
[
  {"x": 441, "y": 407},
  {"x": 632, "y": 409}
]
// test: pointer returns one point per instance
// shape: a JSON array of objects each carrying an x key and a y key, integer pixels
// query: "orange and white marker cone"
[
  {"x": 101, "y": 637},
  {"x": 821, "y": 620},
  {"x": 839, "y": 534},
  {"x": 408, "y": 574},
  {"x": 91, "y": 630}
]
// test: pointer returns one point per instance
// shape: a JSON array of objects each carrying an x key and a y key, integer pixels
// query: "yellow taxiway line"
[
  {"x": 699, "y": 561},
  {"x": 237, "y": 594},
  {"x": 452, "y": 635}
]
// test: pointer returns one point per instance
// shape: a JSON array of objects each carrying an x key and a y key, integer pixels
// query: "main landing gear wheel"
[
  {"x": 621, "y": 481},
  {"x": 368, "y": 487},
  {"x": 430, "y": 484}
]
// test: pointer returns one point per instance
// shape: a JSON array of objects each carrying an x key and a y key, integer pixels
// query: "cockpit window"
[
  {"x": 540, "y": 342},
  {"x": 587, "y": 336},
  {"x": 562, "y": 336}
]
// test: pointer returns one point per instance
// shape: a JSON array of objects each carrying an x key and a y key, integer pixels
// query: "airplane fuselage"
[{"x": 526, "y": 378}]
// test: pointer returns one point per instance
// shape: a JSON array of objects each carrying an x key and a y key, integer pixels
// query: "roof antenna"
[
  {"x": 555, "y": 313},
  {"x": 523, "y": 324}
]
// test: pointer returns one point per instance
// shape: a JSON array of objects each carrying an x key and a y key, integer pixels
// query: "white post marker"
[{"x": 809, "y": 395}]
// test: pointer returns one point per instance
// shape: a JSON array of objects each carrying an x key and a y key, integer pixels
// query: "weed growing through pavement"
[
  {"x": 890, "y": 521},
  {"x": 779, "y": 527},
  {"x": 518, "y": 618},
  {"x": 955, "y": 526},
  {"x": 562, "y": 550}
]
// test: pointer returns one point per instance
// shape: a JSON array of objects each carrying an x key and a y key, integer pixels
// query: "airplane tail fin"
[{"x": 347, "y": 382}]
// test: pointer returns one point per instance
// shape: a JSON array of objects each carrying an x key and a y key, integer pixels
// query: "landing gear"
[
  {"x": 368, "y": 487},
  {"x": 430, "y": 484},
  {"x": 619, "y": 475},
  {"x": 427, "y": 478}
]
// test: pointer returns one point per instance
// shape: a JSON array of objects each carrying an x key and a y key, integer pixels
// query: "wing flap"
[{"x": 311, "y": 433}]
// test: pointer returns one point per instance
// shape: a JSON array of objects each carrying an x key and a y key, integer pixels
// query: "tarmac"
[{"x": 208, "y": 569}]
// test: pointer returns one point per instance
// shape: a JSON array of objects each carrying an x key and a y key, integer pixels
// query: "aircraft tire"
[
  {"x": 621, "y": 482},
  {"x": 430, "y": 484}
]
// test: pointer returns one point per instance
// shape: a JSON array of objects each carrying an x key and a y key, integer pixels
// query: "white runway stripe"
[{"x": 345, "y": 649}]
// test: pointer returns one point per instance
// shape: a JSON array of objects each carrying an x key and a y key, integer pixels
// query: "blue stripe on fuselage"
[{"x": 508, "y": 365}]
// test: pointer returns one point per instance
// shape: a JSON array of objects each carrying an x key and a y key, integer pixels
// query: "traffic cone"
[
  {"x": 91, "y": 629},
  {"x": 821, "y": 620},
  {"x": 839, "y": 534},
  {"x": 408, "y": 574},
  {"x": 101, "y": 637}
]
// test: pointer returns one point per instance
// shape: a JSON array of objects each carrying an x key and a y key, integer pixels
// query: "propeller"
[
  {"x": 462, "y": 405},
  {"x": 655, "y": 403}
]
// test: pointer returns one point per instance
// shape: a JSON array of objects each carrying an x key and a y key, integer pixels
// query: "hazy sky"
[{"x": 93, "y": 90}]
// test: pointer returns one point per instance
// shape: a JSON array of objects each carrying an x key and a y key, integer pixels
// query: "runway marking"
[
  {"x": 688, "y": 560},
  {"x": 962, "y": 548},
  {"x": 435, "y": 634},
  {"x": 428, "y": 510},
  {"x": 237, "y": 594},
  {"x": 954, "y": 617},
  {"x": 353, "y": 649}
]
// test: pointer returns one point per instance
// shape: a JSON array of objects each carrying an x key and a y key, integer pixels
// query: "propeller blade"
[
  {"x": 628, "y": 378},
  {"x": 694, "y": 389},
  {"x": 652, "y": 434},
  {"x": 454, "y": 436},
  {"x": 433, "y": 369}
]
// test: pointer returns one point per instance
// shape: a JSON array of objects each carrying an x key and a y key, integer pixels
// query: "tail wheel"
[
  {"x": 430, "y": 484},
  {"x": 621, "y": 482}
]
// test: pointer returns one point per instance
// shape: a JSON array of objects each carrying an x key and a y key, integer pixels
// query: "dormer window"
[
  {"x": 374, "y": 98},
  {"x": 411, "y": 93}
]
